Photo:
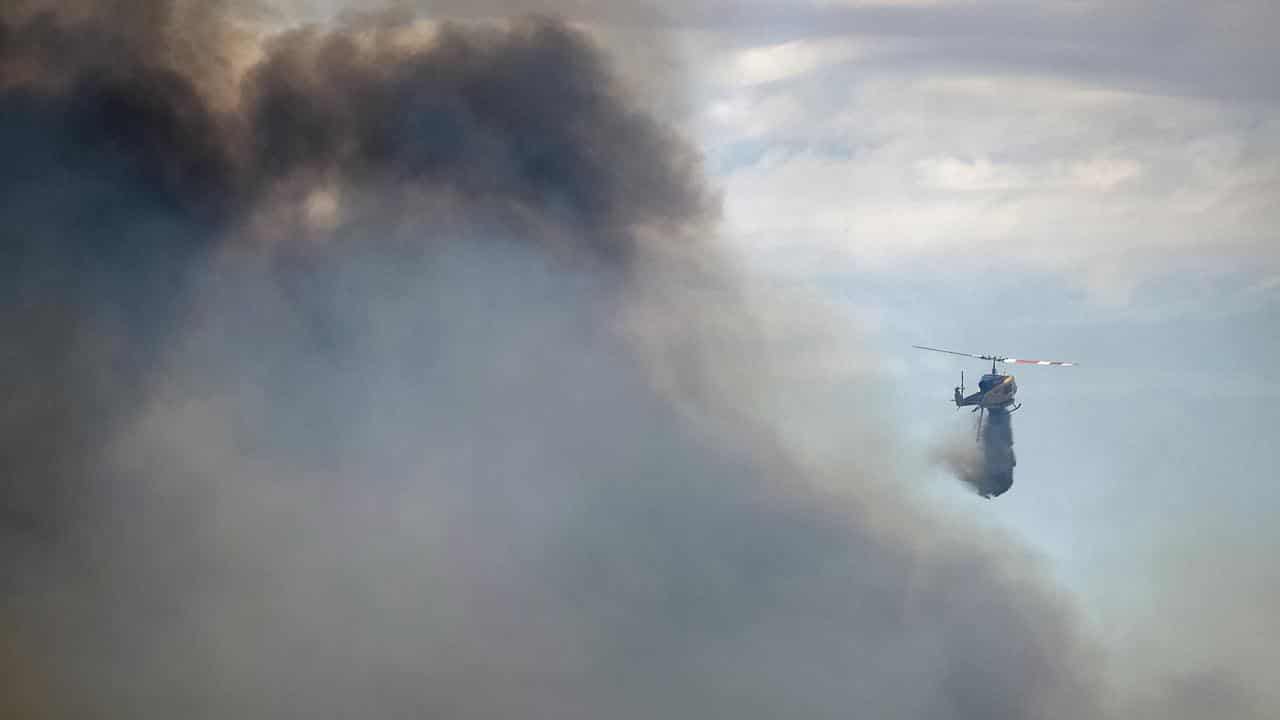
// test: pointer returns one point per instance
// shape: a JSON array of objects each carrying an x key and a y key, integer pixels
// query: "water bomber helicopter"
[
  {"x": 995, "y": 389},
  {"x": 995, "y": 398}
]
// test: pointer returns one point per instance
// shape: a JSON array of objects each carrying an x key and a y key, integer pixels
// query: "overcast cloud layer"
[{"x": 1111, "y": 142}]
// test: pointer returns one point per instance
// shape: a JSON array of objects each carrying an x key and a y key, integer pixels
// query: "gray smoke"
[
  {"x": 992, "y": 473},
  {"x": 402, "y": 383},
  {"x": 961, "y": 456},
  {"x": 981, "y": 457},
  {"x": 998, "y": 459}
]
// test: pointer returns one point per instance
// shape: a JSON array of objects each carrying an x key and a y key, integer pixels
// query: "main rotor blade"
[
  {"x": 997, "y": 358},
  {"x": 952, "y": 352},
  {"x": 1019, "y": 361}
]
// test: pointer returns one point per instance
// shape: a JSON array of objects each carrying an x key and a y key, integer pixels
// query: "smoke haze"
[
  {"x": 998, "y": 459},
  {"x": 387, "y": 370}
]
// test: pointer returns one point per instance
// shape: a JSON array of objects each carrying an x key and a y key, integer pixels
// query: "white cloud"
[
  {"x": 1104, "y": 173},
  {"x": 737, "y": 118},
  {"x": 952, "y": 173},
  {"x": 783, "y": 61},
  {"x": 1105, "y": 185}
]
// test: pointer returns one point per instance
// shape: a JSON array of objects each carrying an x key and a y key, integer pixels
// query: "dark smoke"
[
  {"x": 399, "y": 385},
  {"x": 982, "y": 457},
  {"x": 997, "y": 453},
  {"x": 988, "y": 468},
  {"x": 120, "y": 180}
]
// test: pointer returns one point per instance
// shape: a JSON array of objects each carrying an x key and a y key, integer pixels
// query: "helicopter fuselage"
[{"x": 994, "y": 390}]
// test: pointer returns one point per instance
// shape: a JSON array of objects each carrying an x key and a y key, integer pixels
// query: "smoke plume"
[
  {"x": 382, "y": 369},
  {"x": 960, "y": 455},
  {"x": 997, "y": 453},
  {"x": 981, "y": 457}
]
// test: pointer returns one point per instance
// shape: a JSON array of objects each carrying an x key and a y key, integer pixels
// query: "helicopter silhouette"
[
  {"x": 995, "y": 389},
  {"x": 995, "y": 398}
]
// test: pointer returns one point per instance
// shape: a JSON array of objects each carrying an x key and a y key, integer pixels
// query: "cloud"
[
  {"x": 785, "y": 61},
  {"x": 1110, "y": 144},
  {"x": 409, "y": 381},
  {"x": 1076, "y": 180}
]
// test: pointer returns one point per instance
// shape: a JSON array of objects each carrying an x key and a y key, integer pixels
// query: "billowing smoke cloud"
[
  {"x": 998, "y": 459},
  {"x": 961, "y": 456},
  {"x": 399, "y": 383},
  {"x": 988, "y": 468},
  {"x": 982, "y": 458}
]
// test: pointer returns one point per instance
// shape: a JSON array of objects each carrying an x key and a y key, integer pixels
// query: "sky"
[
  {"x": 1096, "y": 182},
  {"x": 1086, "y": 181},
  {"x": 1093, "y": 182}
]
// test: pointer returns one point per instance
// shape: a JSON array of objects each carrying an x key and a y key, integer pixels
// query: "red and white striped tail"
[
  {"x": 996, "y": 358},
  {"x": 1036, "y": 362}
]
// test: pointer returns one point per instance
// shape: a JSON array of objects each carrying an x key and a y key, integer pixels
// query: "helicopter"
[
  {"x": 995, "y": 396},
  {"x": 995, "y": 389}
]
